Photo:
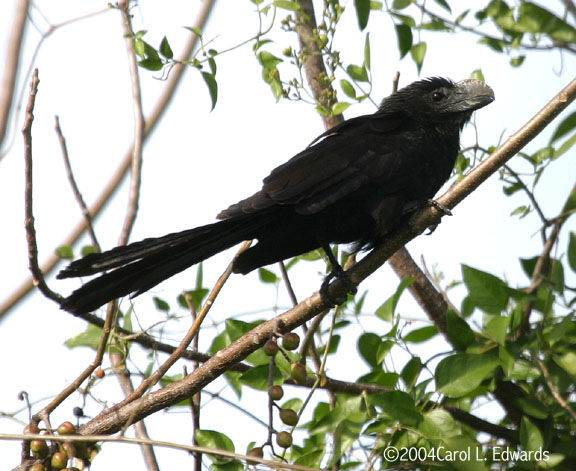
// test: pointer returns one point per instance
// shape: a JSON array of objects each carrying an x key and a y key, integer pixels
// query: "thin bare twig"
[
  {"x": 116, "y": 179},
  {"x": 12, "y": 65},
  {"x": 191, "y": 334},
  {"x": 132, "y": 210},
  {"x": 281, "y": 465},
  {"x": 554, "y": 390},
  {"x": 32, "y": 61},
  {"x": 73, "y": 184},
  {"x": 44, "y": 414},
  {"x": 529, "y": 193},
  {"x": 37, "y": 275},
  {"x": 139, "y": 126}
]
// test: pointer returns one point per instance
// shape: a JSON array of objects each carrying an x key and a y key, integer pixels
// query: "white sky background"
[{"x": 198, "y": 162}]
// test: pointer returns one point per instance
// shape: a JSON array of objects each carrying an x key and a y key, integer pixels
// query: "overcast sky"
[{"x": 199, "y": 162}]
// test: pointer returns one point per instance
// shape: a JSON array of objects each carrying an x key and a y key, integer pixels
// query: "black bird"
[{"x": 354, "y": 184}]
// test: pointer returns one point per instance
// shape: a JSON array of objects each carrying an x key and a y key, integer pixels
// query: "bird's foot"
[
  {"x": 440, "y": 207},
  {"x": 339, "y": 274}
]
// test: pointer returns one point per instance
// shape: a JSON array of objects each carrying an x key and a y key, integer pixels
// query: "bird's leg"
[
  {"x": 336, "y": 272},
  {"x": 414, "y": 206},
  {"x": 439, "y": 206}
]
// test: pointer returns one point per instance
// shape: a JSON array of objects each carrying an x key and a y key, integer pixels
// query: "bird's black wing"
[{"x": 357, "y": 152}]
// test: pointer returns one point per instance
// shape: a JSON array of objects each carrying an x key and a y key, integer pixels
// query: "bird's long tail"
[{"x": 142, "y": 265}]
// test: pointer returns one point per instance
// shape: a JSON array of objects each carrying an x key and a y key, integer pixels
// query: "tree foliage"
[{"x": 509, "y": 347}]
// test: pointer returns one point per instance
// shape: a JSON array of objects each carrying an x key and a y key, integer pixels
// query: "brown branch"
[
  {"x": 113, "y": 418},
  {"x": 429, "y": 298},
  {"x": 571, "y": 7},
  {"x": 139, "y": 126},
  {"x": 313, "y": 61},
  {"x": 192, "y": 332},
  {"x": 117, "y": 361},
  {"x": 73, "y": 184},
  {"x": 554, "y": 390},
  {"x": 44, "y": 414},
  {"x": 12, "y": 65},
  {"x": 123, "y": 375},
  {"x": 37, "y": 275},
  {"x": 116, "y": 179},
  {"x": 482, "y": 425},
  {"x": 422, "y": 289}
]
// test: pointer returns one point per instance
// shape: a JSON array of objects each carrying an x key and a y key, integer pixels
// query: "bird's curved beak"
[{"x": 474, "y": 94}]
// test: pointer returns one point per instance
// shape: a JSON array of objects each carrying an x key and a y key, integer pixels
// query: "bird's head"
[{"x": 438, "y": 99}]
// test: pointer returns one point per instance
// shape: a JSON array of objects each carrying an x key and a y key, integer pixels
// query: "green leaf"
[
  {"x": 397, "y": 405},
  {"x": 418, "y": 52},
  {"x": 339, "y": 107},
  {"x": 404, "y": 36},
  {"x": 161, "y": 305},
  {"x": 212, "y": 85},
  {"x": 234, "y": 465},
  {"x": 237, "y": 328},
  {"x": 388, "y": 380},
  {"x": 401, "y": 4},
  {"x": 368, "y": 345},
  {"x": 477, "y": 75},
  {"x": 530, "y": 435},
  {"x": 362, "y": 12},
  {"x": 496, "y": 329},
  {"x": 197, "y": 296},
  {"x": 212, "y": 64},
  {"x": 488, "y": 292},
  {"x": 524, "y": 370},
  {"x": 411, "y": 371},
  {"x": 566, "y": 125},
  {"x": 572, "y": 251},
  {"x": 459, "y": 374},
  {"x": 567, "y": 362},
  {"x": 532, "y": 407},
  {"x": 348, "y": 88},
  {"x": 165, "y": 49},
  {"x": 421, "y": 335},
  {"x": 358, "y": 73},
  {"x": 311, "y": 459},
  {"x": 507, "y": 361},
  {"x": 266, "y": 276},
  {"x": 517, "y": 61},
  {"x": 89, "y": 338},
  {"x": 565, "y": 147},
  {"x": 194, "y": 29},
  {"x": 268, "y": 60},
  {"x": 459, "y": 332},
  {"x": 140, "y": 47},
  {"x": 388, "y": 308},
  {"x": 216, "y": 441},
  {"x": 150, "y": 63},
  {"x": 570, "y": 204},
  {"x": 87, "y": 250},
  {"x": 65, "y": 252},
  {"x": 367, "y": 51},
  {"x": 536, "y": 19},
  {"x": 439, "y": 424},
  {"x": 287, "y": 5},
  {"x": 257, "y": 377},
  {"x": 555, "y": 275},
  {"x": 444, "y": 4}
]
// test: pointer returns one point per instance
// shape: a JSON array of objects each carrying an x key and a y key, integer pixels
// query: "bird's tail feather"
[{"x": 142, "y": 265}]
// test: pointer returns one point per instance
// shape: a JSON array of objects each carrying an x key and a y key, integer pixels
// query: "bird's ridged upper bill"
[{"x": 474, "y": 94}]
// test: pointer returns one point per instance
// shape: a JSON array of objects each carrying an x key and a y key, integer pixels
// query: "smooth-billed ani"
[{"x": 353, "y": 184}]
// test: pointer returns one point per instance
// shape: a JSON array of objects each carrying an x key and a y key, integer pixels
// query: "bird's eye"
[{"x": 438, "y": 96}]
